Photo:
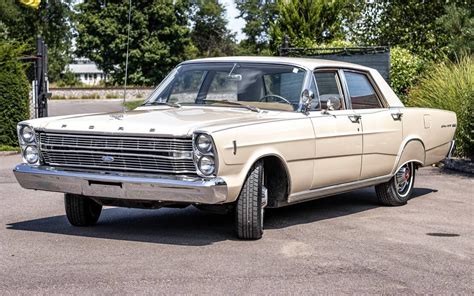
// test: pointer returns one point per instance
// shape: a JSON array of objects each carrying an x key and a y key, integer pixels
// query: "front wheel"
[
  {"x": 398, "y": 190},
  {"x": 250, "y": 205},
  {"x": 81, "y": 210}
]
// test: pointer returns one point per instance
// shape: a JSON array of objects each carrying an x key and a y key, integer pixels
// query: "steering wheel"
[{"x": 276, "y": 98}]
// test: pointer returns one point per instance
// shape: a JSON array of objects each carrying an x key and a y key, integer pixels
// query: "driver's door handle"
[
  {"x": 397, "y": 115},
  {"x": 355, "y": 118}
]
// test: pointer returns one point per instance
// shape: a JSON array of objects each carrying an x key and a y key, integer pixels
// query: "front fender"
[{"x": 290, "y": 141}]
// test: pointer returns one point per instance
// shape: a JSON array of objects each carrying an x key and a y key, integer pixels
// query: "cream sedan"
[{"x": 238, "y": 134}]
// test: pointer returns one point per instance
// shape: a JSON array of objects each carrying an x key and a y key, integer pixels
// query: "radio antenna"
[{"x": 126, "y": 56}]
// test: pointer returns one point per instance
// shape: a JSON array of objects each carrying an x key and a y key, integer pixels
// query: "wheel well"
[{"x": 276, "y": 180}]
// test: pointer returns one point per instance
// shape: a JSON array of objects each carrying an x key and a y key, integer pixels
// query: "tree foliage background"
[
  {"x": 422, "y": 34},
  {"x": 311, "y": 22},
  {"x": 159, "y": 37},
  {"x": 52, "y": 21},
  {"x": 210, "y": 34},
  {"x": 258, "y": 16}
]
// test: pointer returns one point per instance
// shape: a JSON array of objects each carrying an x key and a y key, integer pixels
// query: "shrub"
[
  {"x": 93, "y": 96},
  {"x": 450, "y": 86},
  {"x": 405, "y": 69},
  {"x": 14, "y": 91},
  {"x": 112, "y": 96}
]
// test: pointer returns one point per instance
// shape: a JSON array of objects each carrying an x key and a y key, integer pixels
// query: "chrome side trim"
[
  {"x": 335, "y": 189},
  {"x": 122, "y": 186}
]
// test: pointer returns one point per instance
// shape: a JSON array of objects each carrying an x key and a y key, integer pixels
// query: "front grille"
[{"x": 118, "y": 153}]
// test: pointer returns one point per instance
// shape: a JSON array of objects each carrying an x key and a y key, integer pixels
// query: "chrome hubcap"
[{"x": 403, "y": 179}]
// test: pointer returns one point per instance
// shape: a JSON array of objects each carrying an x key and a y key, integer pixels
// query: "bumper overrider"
[{"x": 123, "y": 186}]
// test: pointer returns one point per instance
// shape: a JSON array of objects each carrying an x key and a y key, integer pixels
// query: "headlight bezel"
[
  {"x": 21, "y": 134},
  {"x": 209, "y": 145},
  {"x": 25, "y": 154},
  {"x": 198, "y": 154},
  {"x": 25, "y": 143},
  {"x": 201, "y": 167}
]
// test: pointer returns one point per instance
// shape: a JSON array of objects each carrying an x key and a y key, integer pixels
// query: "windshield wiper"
[
  {"x": 251, "y": 108},
  {"x": 156, "y": 103}
]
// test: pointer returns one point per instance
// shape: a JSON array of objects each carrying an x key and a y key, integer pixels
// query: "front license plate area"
[{"x": 102, "y": 189}]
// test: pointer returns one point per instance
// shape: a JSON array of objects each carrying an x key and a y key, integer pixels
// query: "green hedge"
[
  {"x": 14, "y": 91},
  {"x": 450, "y": 86},
  {"x": 405, "y": 69}
]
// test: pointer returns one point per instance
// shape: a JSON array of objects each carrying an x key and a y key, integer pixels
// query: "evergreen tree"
[{"x": 311, "y": 22}]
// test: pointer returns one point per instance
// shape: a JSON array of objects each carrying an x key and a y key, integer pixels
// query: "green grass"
[
  {"x": 130, "y": 105},
  {"x": 9, "y": 148}
]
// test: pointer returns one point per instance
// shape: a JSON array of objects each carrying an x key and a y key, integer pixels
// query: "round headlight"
[
  {"x": 31, "y": 154},
  {"x": 204, "y": 143},
  {"x": 207, "y": 165},
  {"x": 27, "y": 134}
]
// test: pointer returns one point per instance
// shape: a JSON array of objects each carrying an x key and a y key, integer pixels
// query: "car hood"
[{"x": 161, "y": 120}]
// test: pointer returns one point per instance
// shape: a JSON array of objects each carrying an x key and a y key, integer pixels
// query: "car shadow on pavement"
[
  {"x": 192, "y": 227},
  {"x": 328, "y": 208}
]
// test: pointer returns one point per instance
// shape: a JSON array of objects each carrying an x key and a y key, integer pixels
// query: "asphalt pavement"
[{"x": 343, "y": 244}]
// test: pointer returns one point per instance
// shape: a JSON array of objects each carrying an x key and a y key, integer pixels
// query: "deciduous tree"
[
  {"x": 258, "y": 15},
  {"x": 209, "y": 32},
  {"x": 423, "y": 27},
  {"x": 159, "y": 37},
  {"x": 52, "y": 21}
]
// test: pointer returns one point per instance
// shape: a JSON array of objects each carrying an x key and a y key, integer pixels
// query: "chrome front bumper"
[{"x": 122, "y": 186}]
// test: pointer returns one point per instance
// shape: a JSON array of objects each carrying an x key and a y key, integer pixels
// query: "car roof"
[{"x": 302, "y": 62}]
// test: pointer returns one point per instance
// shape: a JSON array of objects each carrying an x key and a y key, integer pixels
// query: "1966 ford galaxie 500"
[{"x": 238, "y": 134}]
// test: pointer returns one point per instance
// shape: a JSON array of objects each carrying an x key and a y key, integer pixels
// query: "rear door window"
[{"x": 361, "y": 91}]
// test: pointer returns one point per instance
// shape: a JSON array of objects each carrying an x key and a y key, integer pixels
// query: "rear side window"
[{"x": 361, "y": 91}]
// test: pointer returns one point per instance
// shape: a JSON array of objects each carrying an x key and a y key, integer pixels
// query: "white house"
[{"x": 86, "y": 71}]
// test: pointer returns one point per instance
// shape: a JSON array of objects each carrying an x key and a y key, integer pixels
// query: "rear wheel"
[
  {"x": 250, "y": 205},
  {"x": 398, "y": 190},
  {"x": 81, "y": 210}
]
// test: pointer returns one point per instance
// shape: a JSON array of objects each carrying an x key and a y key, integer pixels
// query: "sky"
[{"x": 235, "y": 24}]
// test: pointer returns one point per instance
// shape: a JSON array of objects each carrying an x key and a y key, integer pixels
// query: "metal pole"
[{"x": 126, "y": 57}]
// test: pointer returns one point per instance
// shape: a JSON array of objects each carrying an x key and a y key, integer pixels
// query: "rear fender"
[{"x": 412, "y": 151}]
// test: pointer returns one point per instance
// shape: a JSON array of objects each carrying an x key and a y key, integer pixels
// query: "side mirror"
[{"x": 307, "y": 97}]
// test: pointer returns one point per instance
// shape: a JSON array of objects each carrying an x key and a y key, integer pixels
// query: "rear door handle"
[
  {"x": 397, "y": 116},
  {"x": 355, "y": 118}
]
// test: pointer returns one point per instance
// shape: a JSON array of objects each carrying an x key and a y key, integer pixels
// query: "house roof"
[{"x": 84, "y": 69}]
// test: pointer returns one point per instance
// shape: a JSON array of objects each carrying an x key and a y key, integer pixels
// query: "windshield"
[{"x": 265, "y": 86}]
